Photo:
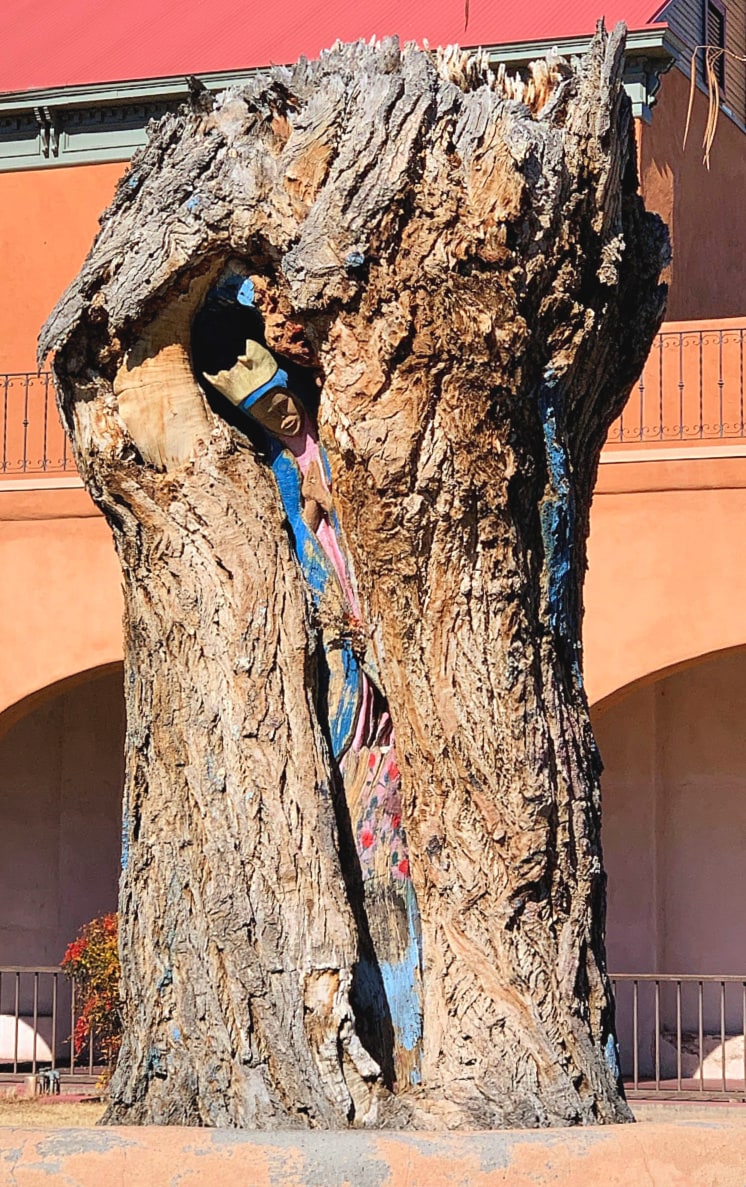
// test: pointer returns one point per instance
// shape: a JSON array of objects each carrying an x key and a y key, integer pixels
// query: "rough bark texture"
[{"x": 469, "y": 267}]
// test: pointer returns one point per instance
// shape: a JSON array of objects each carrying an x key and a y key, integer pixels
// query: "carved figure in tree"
[{"x": 354, "y": 704}]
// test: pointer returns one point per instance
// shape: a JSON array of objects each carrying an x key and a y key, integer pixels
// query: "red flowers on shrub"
[{"x": 93, "y": 960}]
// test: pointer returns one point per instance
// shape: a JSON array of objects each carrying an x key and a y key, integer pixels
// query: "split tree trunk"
[{"x": 466, "y": 262}]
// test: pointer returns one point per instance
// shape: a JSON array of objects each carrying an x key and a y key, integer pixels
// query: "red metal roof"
[{"x": 50, "y": 43}]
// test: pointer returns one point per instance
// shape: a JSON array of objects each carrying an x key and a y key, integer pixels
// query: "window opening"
[{"x": 715, "y": 37}]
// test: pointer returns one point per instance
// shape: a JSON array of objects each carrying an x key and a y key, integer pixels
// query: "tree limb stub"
[{"x": 466, "y": 262}]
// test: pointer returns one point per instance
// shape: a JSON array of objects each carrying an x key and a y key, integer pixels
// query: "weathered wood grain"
[{"x": 466, "y": 262}]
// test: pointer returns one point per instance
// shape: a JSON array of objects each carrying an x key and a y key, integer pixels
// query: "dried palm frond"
[{"x": 713, "y": 54}]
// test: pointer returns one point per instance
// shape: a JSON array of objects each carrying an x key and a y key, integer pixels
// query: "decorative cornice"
[
  {"x": 93, "y": 123},
  {"x": 135, "y": 90},
  {"x": 98, "y": 122},
  {"x": 656, "y": 42}
]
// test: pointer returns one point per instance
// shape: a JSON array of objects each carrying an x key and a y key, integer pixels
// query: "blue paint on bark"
[
  {"x": 125, "y": 855},
  {"x": 611, "y": 1053},
  {"x": 557, "y": 516},
  {"x": 318, "y": 573},
  {"x": 400, "y": 980},
  {"x": 155, "y": 1065},
  {"x": 245, "y": 294},
  {"x": 233, "y": 287}
]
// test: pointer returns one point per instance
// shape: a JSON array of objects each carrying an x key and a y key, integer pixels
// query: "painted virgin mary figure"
[{"x": 360, "y": 730}]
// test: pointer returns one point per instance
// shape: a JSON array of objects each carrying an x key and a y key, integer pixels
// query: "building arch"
[
  {"x": 61, "y": 780},
  {"x": 60, "y": 593},
  {"x": 27, "y": 704},
  {"x": 655, "y": 676},
  {"x": 666, "y": 582},
  {"x": 674, "y": 834}
]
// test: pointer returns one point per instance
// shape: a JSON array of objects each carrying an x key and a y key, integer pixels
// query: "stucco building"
[{"x": 665, "y": 642}]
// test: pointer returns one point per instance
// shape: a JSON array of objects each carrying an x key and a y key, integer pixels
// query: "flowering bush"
[{"x": 93, "y": 960}]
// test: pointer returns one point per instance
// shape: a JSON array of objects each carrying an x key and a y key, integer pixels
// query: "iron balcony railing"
[
  {"x": 691, "y": 390},
  {"x": 33, "y": 441},
  {"x": 37, "y": 1023},
  {"x": 682, "y": 1036}
]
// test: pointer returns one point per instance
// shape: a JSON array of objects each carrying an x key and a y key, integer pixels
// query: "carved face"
[{"x": 279, "y": 412}]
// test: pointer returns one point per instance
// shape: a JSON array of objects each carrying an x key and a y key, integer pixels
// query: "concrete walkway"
[{"x": 706, "y": 1148}]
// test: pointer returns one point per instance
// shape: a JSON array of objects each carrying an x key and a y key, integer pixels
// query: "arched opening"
[
  {"x": 61, "y": 773},
  {"x": 674, "y": 833}
]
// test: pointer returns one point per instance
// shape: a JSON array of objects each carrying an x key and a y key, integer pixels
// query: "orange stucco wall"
[
  {"x": 48, "y": 218},
  {"x": 705, "y": 211},
  {"x": 60, "y": 598},
  {"x": 666, "y": 579}
]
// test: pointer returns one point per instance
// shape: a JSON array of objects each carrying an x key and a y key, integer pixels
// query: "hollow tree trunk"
[{"x": 466, "y": 262}]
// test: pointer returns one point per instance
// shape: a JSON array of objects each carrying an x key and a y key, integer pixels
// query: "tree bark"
[{"x": 466, "y": 262}]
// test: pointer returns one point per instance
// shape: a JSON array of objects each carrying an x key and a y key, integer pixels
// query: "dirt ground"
[
  {"x": 714, "y": 1112},
  {"x": 49, "y": 1114},
  {"x": 61, "y": 1114}
]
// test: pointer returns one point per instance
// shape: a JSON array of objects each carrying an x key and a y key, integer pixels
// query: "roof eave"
[{"x": 654, "y": 41}]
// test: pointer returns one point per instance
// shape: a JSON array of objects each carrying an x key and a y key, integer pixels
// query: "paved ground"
[{"x": 721, "y": 1113}]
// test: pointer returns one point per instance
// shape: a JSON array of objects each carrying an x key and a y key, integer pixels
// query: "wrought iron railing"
[
  {"x": 32, "y": 440},
  {"x": 38, "y": 1016},
  {"x": 691, "y": 389},
  {"x": 682, "y": 1036}
]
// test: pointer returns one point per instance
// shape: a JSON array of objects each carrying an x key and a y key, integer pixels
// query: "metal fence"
[
  {"x": 33, "y": 440},
  {"x": 679, "y": 1036},
  {"x": 691, "y": 389},
  {"x": 37, "y": 1023},
  {"x": 682, "y": 1036}
]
